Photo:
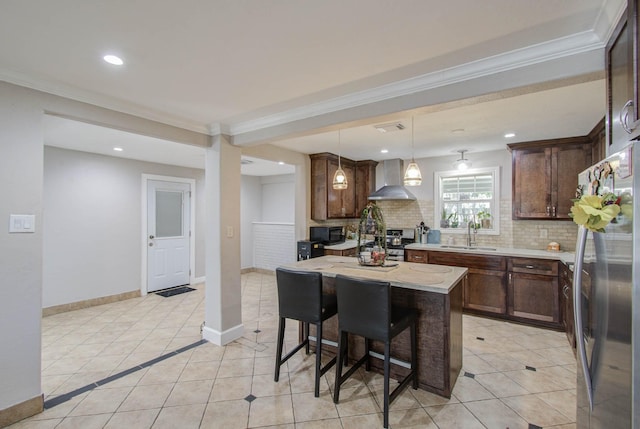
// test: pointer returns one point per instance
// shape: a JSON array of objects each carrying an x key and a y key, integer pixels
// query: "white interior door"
[{"x": 168, "y": 236}]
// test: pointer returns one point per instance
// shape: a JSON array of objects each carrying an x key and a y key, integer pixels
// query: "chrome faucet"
[{"x": 472, "y": 241}]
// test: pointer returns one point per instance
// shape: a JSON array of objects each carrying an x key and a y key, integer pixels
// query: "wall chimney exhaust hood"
[{"x": 392, "y": 189}]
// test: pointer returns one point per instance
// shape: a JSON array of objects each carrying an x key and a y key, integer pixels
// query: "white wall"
[
  {"x": 250, "y": 211},
  {"x": 92, "y": 224},
  {"x": 278, "y": 198},
  {"x": 20, "y": 254}
]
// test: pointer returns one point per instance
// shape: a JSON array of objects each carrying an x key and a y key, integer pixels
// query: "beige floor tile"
[
  {"x": 501, "y": 361},
  {"x": 534, "y": 381},
  {"x": 307, "y": 407},
  {"x": 190, "y": 392},
  {"x": 536, "y": 411},
  {"x": 78, "y": 380},
  {"x": 321, "y": 424},
  {"x": 266, "y": 365},
  {"x": 493, "y": 413},
  {"x": 84, "y": 422},
  {"x": 236, "y": 367},
  {"x": 141, "y": 419},
  {"x": 404, "y": 401},
  {"x": 160, "y": 374},
  {"x": 207, "y": 352},
  {"x": 500, "y": 385},
  {"x": 183, "y": 417},
  {"x": 476, "y": 365},
  {"x": 102, "y": 363},
  {"x": 101, "y": 401},
  {"x": 238, "y": 351},
  {"x": 564, "y": 401},
  {"x": 226, "y": 389},
  {"x": 411, "y": 418},
  {"x": 263, "y": 385},
  {"x": 204, "y": 370},
  {"x": 146, "y": 397},
  {"x": 468, "y": 389},
  {"x": 454, "y": 416},
  {"x": 427, "y": 399},
  {"x": 36, "y": 424},
  {"x": 226, "y": 414},
  {"x": 355, "y": 401},
  {"x": 271, "y": 411}
]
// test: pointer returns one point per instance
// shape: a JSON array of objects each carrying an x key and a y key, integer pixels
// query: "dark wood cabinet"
[
  {"x": 545, "y": 176},
  {"x": 621, "y": 64},
  {"x": 345, "y": 252},
  {"x": 418, "y": 256},
  {"x": 598, "y": 138},
  {"x": 533, "y": 291},
  {"x": 329, "y": 203},
  {"x": 485, "y": 288},
  {"x": 365, "y": 183},
  {"x": 566, "y": 300}
]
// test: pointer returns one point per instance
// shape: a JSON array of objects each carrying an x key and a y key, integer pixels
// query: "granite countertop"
[
  {"x": 424, "y": 277},
  {"x": 348, "y": 244},
  {"x": 565, "y": 257}
]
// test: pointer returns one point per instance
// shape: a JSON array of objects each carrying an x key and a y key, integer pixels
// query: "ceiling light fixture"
[
  {"x": 339, "y": 178},
  {"x": 412, "y": 176},
  {"x": 384, "y": 150},
  {"x": 113, "y": 59},
  {"x": 509, "y": 135},
  {"x": 388, "y": 128},
  {"x": 118, "y": 149},
  {"x": 462, "y": 163}
]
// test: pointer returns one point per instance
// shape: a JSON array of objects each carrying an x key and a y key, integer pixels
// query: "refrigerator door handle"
[{"x": 577, "y": 305}]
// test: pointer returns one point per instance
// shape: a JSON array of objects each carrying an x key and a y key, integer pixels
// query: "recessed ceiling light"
[
  {"x": 118, "y": 149},
  {"x": 112, "y": 59},
  {"x": 384, "y": 151},
  {"x": 280, "y": 162},
  {"x": 509, "y": 135}
]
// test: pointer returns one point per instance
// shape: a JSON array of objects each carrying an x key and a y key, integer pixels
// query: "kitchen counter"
[
  {"x": 348, "y": 244},
  {"x": 565, "y": 257},
  {"x": 435, "y": 291}
]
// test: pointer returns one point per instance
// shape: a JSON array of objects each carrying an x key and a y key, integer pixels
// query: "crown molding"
[
  {"x": 535, "y": 54},
  {"x": 105, "y": 101}
]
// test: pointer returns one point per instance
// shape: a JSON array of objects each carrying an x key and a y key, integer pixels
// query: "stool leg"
[
  {"x": 367, "y": 345},
  {"x": 342, "y": 339},
  {"x": 306, "y": 336},
  {"x": 318, "y": 355},
  {"x": 279, "y": 348},
  {"x": 387, "y": 368},
  {"x": 414, "y": 356}
]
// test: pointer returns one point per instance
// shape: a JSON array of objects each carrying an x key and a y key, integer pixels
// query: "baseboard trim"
[
  {"x": 197, "y": 280},
  {"x": 78, "y": 305},
  {"x": 222, "y": 338},
  {"x": 21, "y": 411}
]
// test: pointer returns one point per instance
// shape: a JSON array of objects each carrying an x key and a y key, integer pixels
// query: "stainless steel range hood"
[{"x": 393, "y": 189}]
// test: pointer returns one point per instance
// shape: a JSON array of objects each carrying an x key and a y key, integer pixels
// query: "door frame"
[{"x": 143, "y": 233}]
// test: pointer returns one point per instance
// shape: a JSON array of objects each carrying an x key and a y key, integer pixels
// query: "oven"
[{"x": 395, "y": 252}]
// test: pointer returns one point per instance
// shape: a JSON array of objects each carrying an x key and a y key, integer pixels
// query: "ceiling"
[{"x": 296, "y": 71}]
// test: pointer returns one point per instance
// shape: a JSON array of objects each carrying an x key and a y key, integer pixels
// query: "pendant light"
[
  {"x": 412, "y": 176},
  {"x": 339, "y": 178},
  {"x": 462, "y": 163}
]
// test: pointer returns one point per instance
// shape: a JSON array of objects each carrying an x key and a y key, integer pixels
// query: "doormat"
[{"x": 175, "y": 291}]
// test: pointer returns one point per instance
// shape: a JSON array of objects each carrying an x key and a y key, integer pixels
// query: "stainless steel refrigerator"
[{"x": 607, "y": 301}]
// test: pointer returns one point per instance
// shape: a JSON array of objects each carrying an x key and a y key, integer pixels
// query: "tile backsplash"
[{"x": 526, "y": 234}]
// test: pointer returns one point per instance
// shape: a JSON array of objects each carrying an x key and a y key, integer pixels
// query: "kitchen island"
[{"x": 434, "y": 290}]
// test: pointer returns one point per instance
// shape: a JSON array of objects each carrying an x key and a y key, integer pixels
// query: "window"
[{"x": 462, "y": 197}]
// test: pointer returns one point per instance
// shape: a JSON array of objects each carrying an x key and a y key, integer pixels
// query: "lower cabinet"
[
  {"x": 522, "y": 289},
  {"x": 345, "y": 252}
]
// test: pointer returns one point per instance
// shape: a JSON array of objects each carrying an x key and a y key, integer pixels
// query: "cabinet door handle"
[
  {"x": 624, "y": 116},
  {"x": 553, "y": 209},
  {"x": 510, "y": 277},
  {"x": 548, "y": 211},
  {"x": 530, "y": 267},
  {"x": 565, "y": 289}
]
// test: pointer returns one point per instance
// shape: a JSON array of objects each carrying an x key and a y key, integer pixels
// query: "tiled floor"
[{"x": 513, "y": 377}]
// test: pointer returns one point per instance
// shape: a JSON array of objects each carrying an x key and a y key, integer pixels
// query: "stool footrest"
[
  {"x": 402, "y": 385},
  {"x": 294, "y": 351}
]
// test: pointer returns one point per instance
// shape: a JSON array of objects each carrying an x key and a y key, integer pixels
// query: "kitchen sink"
[{"x": 466, "y": 247}]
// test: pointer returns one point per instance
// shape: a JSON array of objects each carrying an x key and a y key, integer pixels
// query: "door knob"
[{"x": 151, "y": 237}]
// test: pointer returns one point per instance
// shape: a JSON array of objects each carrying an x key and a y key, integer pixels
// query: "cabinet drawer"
[
  {"x": 481, "y": 262},
  {"x": 419, "y": 256},
  {"x": 533, "y": 266}
]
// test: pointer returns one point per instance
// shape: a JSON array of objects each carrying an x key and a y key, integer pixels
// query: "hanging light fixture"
[
  {"x": 462, "y": 163},
  {"x": 339, "y": 178},
  {"x": 412, "y": 176}
]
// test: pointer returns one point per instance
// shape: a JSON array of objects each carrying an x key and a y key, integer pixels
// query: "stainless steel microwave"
[{"x": 326, "y": 234}]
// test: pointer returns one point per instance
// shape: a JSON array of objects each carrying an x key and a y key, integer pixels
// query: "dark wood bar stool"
[
  {"x": 364, "y": 308},
  {"x": 300, "y": 297}
]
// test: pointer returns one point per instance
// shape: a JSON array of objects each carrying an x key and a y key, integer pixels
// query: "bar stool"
[
  {"x": 364, "y": 308},
  {"x": 300, "y": 297}
]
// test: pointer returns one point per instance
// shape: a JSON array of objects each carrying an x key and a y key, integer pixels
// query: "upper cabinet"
[
  {"x": 329, "y": 203},
  {"x": 621, "y": 58},
  {"x": 545, "y": 176}
]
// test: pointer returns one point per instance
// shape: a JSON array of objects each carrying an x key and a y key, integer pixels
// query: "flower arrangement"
[{"x": 594, "y": 212}]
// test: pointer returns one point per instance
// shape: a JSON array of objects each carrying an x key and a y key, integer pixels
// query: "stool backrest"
[
  {"x": 364, "y": 307},
  {"x": 299, "y": 294}
]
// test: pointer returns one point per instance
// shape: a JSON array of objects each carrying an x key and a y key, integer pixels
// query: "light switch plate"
[{"x": 22, "y": 223}]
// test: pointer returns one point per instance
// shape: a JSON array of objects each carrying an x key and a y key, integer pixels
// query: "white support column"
[{"x": 223, "y": 306}]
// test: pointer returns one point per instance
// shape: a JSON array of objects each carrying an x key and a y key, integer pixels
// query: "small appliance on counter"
[
  {"x": 433, "y": 236},
  {"x": 326, "y": 234},
  {"x": 309, "y": 249}
]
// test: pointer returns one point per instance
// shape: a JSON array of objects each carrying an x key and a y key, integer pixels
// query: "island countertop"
[{"x": 408, "y": 275}]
